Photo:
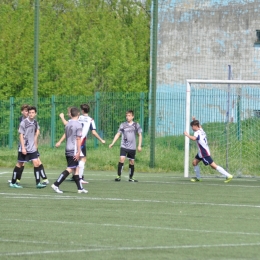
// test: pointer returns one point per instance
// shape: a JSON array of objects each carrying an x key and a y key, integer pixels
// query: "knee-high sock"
[
  {"x": 37, "y": 174},
  {"x": 16, "y": 173},
  {"x": 42, "y": 172},
  {"x": 197, "y": 171},
  {"x": 222, "y": 171},
  {"x": 81, "y": 169},
  {"x": 61, "y": 178},
  {"x": 120, "y": 168},
  {"x": 19, "y": 176},
  {"x": 131, "y": 171},
  {"x": 78, "y": 183}
]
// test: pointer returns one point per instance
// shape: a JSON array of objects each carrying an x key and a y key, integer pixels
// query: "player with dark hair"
[
  {"x": 203, "y": 152},
  {"x": 129, "y": 130},
  {"x": 24, "y": 112},
  {"x": 73, "y": 132},
  {"x": 88, "y": 123},
  {"x": 27, "y": 150}
]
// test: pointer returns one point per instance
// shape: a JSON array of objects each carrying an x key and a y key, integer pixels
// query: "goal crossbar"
[{"x": 187, "y": 121}]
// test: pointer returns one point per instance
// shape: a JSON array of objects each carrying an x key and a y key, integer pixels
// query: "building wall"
[{"x": 199, "y": 39}]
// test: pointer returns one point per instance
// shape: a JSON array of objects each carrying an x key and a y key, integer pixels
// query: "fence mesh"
[
  {"x": 107, "y": 109},
  {"x": 229, "y": 114}
]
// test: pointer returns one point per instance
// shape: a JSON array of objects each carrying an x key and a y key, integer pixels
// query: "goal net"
[{"x": 229, "y": 112}]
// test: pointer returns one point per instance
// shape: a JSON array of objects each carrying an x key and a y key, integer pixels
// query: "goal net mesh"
[{"x": 230, "y": 116}]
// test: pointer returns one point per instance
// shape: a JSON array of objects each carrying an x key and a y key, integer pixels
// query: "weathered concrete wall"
[{"x": 199, "y": 39}]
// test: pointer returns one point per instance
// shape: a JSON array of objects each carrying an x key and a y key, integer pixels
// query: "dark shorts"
[
  {"x": 38, "y": 153},
  {"x": 71, "y": 163},
  {"x": 83, "y": 151},
  {"x": 130, "y": 154},
  {"x": 206, "y": 160},
  {"x": 27, "y": 157}
]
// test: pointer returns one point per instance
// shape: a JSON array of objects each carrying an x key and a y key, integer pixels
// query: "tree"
[{"x": 85, "y": 46}]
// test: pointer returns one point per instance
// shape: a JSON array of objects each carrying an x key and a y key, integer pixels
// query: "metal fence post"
[
  {"x": 142, "y": 95},
  {"x": 11, "y": 123},
  {"x": 53, "y": 121},
  {"x": 153, "y": 83},
  {"x": 97, "y": 99}
]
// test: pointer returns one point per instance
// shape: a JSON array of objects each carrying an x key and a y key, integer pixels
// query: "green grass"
[
  {"x": 106, "y": 159},
  {"x": 160, "y": 217},
  {"x": 243, "y": 155}
]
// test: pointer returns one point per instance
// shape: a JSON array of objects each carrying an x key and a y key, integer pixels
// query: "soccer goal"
[{"x": 229, "y": 112}]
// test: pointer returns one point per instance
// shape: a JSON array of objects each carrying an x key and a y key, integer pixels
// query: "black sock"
[
  {"x": 42, "y": 172},
  {"x": 77, "y": 181},
  {"x": 19, "y": 176},
  {"x": 62, "y": 178},
  {"x": 120, "y": 168},
  {"x": 16, "y": 172},
  {"x": 37, "y": 174},
  {"x": 131, "y": 171}
]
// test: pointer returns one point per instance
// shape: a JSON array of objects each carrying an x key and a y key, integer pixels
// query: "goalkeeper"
[{"x": 203, "y": 152}]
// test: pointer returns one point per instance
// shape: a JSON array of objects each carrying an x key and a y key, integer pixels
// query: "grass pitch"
[{"x": 160, "y": 217}]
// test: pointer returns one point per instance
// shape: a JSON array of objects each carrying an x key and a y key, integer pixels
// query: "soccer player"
[
  {"x": 73, "y": 132},
  {"x": 65, "y": 122},
  {"x": 129, "y": 130},
  {"x": 203, "y": 152},
  {"x": 27, "y": 150},
  {"x": 88, "y": 123},
  {"x": 24, "y": 112}
]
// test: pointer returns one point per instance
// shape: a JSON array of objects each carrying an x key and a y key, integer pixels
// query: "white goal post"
[{"x": 188, "y": 108}]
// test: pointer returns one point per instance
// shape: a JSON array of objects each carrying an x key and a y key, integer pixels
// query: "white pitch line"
[
  {"x": 135, "y": 226},
  {"x": 4, "y": 172},
  {"x": 128, "y": 249},
  {"x": 233, "y": 185},
  {"x": 47, "y": 243},
  {"x": 54, "y": 197},
  {"x": 204, "y": 184}
]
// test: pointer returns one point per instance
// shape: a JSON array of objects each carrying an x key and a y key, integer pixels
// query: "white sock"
[
  {"x": 81, "y": 168},
  {"x": 222, "y": 171},
  {"x": 197, "y": 171}
]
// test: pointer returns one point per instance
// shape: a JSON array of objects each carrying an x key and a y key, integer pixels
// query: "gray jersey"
[
  {"x": 129, "y": 132},
  {"x": 72, "y": 130},
  {"x": 28, "y": 129}
]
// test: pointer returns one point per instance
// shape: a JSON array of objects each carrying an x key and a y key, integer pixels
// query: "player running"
[{"x": 203, "y": 152}]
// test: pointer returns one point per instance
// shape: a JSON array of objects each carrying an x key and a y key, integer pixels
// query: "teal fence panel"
[
  {"x": 5, "y": 123},
  {"x": 107, "y": 109},
  {"x": 113, "y": 107}
]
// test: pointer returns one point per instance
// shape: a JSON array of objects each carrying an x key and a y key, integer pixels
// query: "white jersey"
[
  {"x": 87, "y": 123},
  {"x": 202, "y": 143}
]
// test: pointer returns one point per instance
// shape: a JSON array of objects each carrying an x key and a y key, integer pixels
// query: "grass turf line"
[{"x": 159, "y": 217}]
